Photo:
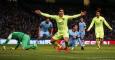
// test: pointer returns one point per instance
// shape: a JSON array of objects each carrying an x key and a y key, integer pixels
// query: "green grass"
[{"x": 46, "y": 52}]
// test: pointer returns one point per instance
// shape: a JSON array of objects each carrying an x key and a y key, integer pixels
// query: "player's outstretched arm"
[
  {"x": 77, "y": 15},
  {"x": 105, "y": 22},
  {"x": 44, "y": 14},
  {"x": 91, "y": 25}
]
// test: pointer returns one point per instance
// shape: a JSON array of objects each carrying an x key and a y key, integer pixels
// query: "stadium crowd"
[{"x": 13, "y": 18}]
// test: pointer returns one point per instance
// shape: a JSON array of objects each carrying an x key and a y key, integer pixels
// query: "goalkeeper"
[{"x": 20, "y": 37}]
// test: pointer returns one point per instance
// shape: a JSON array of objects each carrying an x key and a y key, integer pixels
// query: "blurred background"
[{"x": 18, "y": 15}]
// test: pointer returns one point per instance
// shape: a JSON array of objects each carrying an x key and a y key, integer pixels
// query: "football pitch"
[{"x": 46, "y": 52}]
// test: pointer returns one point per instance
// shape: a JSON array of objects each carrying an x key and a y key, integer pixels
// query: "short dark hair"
[
  {"x": 61, "y": 9},
  {"x": 73, "y": 25},
  {"x": 97, "y": 11}
]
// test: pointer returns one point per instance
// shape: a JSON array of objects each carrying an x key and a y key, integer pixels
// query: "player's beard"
[
  {"x": 97, "y": 16},
  {"x": 61, "y": 14}
]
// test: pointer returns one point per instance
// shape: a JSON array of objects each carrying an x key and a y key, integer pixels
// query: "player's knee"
[
  {"x": 52, "y": 39},
  {"x": 66, "y": 39}
]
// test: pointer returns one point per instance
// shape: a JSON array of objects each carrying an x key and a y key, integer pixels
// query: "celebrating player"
[{"x": 62, "y": 21}]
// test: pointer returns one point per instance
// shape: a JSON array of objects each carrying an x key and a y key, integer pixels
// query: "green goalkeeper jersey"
[{"x": 15, "y": 35}]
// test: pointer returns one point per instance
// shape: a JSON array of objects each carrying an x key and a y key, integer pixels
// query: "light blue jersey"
[
  {"x": 82, "y": 27},
  {"x": 44, "y": 29},
  {"x": 72, "y": 33},
  {"x": 73, "y": 39}
]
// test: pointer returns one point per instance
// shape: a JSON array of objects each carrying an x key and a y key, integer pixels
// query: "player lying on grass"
[
  {"x": 75, "y": 36},
  {"x": 61, "y": 21},
  {"x": 21, "y": 38}
]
